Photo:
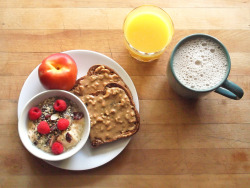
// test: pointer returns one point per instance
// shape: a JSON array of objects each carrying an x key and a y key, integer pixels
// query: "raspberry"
[
  {"x": 34, "y": 113},
  {"x": 43, "y": 127},
  {"x": 57, "y": 148},
  {"x": 60, "y": 105},
  {"x": 62, "y": 124}
]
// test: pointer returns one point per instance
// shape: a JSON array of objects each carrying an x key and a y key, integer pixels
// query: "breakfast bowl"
[{"x": 71, "y": 138}]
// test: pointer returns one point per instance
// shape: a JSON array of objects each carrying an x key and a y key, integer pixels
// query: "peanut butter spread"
[
  {"x": 97, "y": 81},
  {"x": 112, "y": 115}
]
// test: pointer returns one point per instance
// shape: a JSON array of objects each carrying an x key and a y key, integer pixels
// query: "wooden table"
[{"x": 181, "y": 143}]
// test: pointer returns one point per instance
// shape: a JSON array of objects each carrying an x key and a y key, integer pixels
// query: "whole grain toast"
[
  {"x": 113, "y": 114},
  {"x": 98, "y": 76}
]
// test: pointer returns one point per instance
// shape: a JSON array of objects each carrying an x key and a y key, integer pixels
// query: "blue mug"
[{"x": 224, "y": 87}]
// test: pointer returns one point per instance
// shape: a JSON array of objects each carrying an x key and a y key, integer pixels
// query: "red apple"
[{"x": 58, "y": 71}]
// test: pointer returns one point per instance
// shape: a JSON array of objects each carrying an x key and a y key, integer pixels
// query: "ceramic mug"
[{"x": 178, "y": 72}]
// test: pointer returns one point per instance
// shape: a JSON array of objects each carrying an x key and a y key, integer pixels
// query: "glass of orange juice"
[{"x": 147, "y": 30}]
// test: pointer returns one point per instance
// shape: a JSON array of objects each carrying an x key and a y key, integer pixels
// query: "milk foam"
[{"x": 200, "y": 64}]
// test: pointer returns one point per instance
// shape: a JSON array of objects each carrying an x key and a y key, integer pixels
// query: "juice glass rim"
[{"x": 148, "y": 53}]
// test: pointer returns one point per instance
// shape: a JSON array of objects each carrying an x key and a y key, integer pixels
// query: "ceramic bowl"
[{"x": 23, "y": 125}]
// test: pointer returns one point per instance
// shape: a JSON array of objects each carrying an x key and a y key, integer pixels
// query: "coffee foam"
[{"x": 200, "y": 64}]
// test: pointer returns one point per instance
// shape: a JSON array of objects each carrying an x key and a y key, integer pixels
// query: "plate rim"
[{"x": 130, "y": 85}]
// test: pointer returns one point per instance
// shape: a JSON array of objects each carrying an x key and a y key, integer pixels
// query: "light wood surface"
[{"x": 181, "y": 143}]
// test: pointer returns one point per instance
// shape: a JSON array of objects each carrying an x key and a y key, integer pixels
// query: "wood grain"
[
  {"x": 181, "y": 143},
  {"x": 193, "y": 112},
  {"x": 89, "y": 18},
  {"x": 110, "y": 41},
  {"x": 191, "y": 136},
  {"x": 118, "y": 4},
  {"x": 147, "y": 181},
  {"x": 166, "y": 162}
]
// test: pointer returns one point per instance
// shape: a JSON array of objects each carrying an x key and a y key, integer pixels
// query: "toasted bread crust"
[
  {"x": 92, "y": 69},
  {"x": 96, "y": 142},
  {"x": 77, "y": 83},
  {"x": 91, "y": 72}
]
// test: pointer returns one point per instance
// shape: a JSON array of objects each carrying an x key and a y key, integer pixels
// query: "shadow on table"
[
  {"x": 45, "y": 175},
  {"x": 188, "y": 110}
]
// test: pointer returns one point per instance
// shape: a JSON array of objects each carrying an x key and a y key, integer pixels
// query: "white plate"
[{"x": 87, "y": 157}]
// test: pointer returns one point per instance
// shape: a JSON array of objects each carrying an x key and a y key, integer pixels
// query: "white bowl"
[{"x": 23, "y": 125}]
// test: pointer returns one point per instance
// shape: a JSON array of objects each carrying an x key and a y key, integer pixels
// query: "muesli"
[{"x": 55, "y": 125}]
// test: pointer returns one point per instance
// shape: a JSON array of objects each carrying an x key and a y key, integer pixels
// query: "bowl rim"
[{"x": 45, "y": 155}]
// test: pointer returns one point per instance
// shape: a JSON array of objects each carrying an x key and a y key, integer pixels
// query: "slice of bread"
[
  {"x": 113, "y": 114},
  {"x": 98, "y": 76}
]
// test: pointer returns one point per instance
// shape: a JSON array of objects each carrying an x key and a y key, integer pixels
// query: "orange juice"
[{"x": 147, "y": 30}]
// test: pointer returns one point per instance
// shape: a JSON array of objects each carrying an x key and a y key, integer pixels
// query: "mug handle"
[{"x": 230, "y": 90}]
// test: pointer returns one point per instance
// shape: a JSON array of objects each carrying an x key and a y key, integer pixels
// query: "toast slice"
[
  {"x": 113, "y": 114},
  {"x": 98, "y": 76}
]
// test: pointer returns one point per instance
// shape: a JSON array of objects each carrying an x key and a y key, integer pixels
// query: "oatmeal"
[{"x": 55, "y": 125}]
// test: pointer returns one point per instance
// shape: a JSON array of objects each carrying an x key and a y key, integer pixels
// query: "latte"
[{"x": 200, "y": 64}]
